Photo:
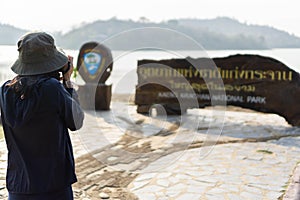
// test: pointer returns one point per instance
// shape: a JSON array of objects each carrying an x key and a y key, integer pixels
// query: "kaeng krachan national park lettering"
[
  {"x": 208, "y": 74},
  {"x": 237, "y": 73},
  {"x": 209, "y": 85},
  {"x": 250, "y": 81}
]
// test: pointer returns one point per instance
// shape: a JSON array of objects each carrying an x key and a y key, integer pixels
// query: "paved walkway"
[
  {"x": 123, "y": 155},
  {"x": 230, "y": 171}
]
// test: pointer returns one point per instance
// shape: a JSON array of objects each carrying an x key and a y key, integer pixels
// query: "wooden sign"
[
  {"x": 249, "y": 81},
  {"x": 94, "y": 62}
]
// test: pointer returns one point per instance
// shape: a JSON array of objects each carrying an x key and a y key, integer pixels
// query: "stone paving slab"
[
  {"x": 97, "y": 132},
  {"x": 3, "y": 164},
  {"x": 293, "y": 190},
  {"x": 131, "y": 156},
  {"x": 230, "y": 171}
]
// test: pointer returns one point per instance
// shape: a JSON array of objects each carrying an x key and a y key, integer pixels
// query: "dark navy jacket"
[{"x": 40, "y": 155}]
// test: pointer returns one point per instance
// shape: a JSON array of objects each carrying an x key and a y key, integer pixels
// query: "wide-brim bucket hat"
[{"x": 38, "y": 55}]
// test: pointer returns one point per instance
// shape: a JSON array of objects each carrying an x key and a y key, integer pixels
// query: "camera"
[{"x": 66, "y": 70}]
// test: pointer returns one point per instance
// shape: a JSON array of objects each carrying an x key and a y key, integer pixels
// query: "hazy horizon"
[
  {"x": 64, "y": 15},
  {"x": 74, "y": 26}
]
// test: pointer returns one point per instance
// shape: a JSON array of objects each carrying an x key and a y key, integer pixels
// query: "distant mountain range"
[
  {"x": 10, "y": 34},
  {"x": 219, "y": 33}
]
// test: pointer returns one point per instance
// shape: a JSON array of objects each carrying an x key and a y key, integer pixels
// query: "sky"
[{"x": 60, "y": 15}]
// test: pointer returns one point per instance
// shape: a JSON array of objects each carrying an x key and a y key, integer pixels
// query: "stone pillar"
[{"x": 94, "y": 65}]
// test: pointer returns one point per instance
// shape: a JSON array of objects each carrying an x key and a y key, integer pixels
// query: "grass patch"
[{"x": 264, "y": 151}]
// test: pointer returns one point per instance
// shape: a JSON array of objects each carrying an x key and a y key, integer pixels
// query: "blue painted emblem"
[{"x": 92, "y": 62}]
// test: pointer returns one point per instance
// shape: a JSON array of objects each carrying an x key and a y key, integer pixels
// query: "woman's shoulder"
[
  {"x": 4, "y": 87},
  {"x": 5, "y": 83}
]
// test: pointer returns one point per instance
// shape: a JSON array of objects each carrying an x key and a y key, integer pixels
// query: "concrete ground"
[{"x": 205, "y": 154}]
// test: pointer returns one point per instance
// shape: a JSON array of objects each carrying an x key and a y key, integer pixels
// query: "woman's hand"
[{"x": 68, "y": 70}]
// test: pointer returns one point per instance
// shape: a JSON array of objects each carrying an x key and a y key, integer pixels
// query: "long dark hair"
[{"x": 23, "y": 84}]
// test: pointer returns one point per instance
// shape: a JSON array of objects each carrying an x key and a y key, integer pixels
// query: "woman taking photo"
[{"x": 37, "y": 110}]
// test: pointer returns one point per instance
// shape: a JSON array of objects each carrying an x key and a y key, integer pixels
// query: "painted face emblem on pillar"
[{"x": 92, "y": 62}]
